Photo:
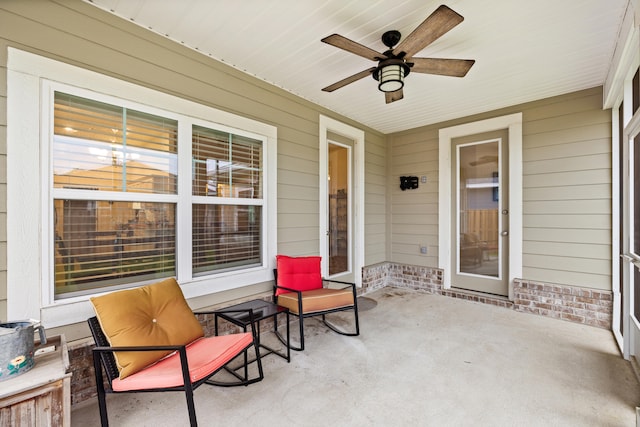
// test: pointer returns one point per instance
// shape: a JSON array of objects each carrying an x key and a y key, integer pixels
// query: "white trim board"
[{"x": 328, "y": 124}]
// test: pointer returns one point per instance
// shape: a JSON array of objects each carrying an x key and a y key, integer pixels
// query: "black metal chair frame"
[
  {"x": 103, "y": 358},
  {"x": 301, "y": 315}
]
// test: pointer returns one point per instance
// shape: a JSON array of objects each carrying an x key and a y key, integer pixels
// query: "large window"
[
  {"x": 105, "y": 156},
  {"x": 227, "y": 215},
  {"x": 115, "y": 185}
]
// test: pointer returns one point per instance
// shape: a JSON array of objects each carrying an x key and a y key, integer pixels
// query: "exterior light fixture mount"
[{"x": 391, "y": 69}]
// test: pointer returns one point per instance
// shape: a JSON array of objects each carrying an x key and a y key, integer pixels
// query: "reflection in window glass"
[
  {"x": 226, "y": 165},
  {"x": 91, "y": 151},
  {"x": 226, "y": 234},
  {"x": 226, "y": 237},
  {"x": 103, "y": 243},
  {"x": 115, "y": 197},
  {"x": 338, "y": 185},
  {"x": 478, "y": 206}
]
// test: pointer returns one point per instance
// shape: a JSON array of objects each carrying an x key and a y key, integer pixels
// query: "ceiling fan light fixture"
[
  {"x": 390, "y": 74},
  {"x": 391, "y": 78}
]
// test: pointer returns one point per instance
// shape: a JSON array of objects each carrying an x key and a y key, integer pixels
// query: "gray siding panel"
[
  {"x": 375, "y": 199},
  {"x": 565, "y": 192},
  {"x": 568, "y": 158},
  {"x": 547, "y": 275},
  {"x": 565, "y": 220},
  {"x": 562, "y": 249}
]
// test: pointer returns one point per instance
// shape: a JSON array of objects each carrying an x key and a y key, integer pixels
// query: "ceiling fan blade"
[
  {"x": 351, "y": 79},
  {"x": 441, "y": 66},
  {"x": 393, "y": 96},
  {"x": 352, "y": 47},
  {"x": 432, "y": 28}
]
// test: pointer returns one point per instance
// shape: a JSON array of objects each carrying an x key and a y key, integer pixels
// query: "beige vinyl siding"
[
  {"x": 74, "y": 32},
  {"x": 566, "y": 190},
  {"x": 414, "y": 213},
  {"x": 375, "y": 198},
  {"x": 298, "y": 196}
]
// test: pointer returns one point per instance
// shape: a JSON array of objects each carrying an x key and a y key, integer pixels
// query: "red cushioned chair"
[
  {"x": 299, "y": 286},
  {"x": 168, "y": 363}
]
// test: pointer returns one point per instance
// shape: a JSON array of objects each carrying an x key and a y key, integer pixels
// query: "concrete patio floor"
[{"x": 421, "y": 360}]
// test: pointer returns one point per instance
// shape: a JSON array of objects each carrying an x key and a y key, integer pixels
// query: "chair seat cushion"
[
  {"x": 205, "y": 356},
  {"x": 317, "y": 300}
]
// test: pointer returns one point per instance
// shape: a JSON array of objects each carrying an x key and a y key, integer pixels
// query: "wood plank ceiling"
[{"x": 524, "y": 50}]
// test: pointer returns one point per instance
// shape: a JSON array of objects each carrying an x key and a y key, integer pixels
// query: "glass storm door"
[
  {"x": 481, "y": 215},
  {"x": 339, "y": 206}
]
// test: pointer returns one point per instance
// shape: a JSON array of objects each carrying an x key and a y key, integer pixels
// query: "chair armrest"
[
  {"x": 104, "y": 349},
  {"x": 180, "y": 349},
  {"x": 287, "y": 289},
  {"x": 349, "y": 284}
]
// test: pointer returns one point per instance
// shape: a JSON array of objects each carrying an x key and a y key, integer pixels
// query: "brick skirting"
[
  {"x": 428, "y": 279},
  {"x": 575, "y": 304},
  {"x": 579, "y": 305}
]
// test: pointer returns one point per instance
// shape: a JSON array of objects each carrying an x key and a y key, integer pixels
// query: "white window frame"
[{"x": 30, "y": 81}]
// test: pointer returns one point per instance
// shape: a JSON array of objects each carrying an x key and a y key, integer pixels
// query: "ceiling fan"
[{"x": 394, "y": 64}]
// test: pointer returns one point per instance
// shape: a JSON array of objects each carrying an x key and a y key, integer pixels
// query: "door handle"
[{"x": 504, "y": 233}]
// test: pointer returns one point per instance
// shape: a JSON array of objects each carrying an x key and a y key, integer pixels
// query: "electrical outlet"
[
  {"x": 423, "y": 250},
  {"x": 423, "y": 179}
]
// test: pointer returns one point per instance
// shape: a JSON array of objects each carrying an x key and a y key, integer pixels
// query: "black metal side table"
[{"x": 261, "y": 310}]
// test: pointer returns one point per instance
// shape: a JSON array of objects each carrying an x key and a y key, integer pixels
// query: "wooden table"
[{"x": 41, "y": 396}]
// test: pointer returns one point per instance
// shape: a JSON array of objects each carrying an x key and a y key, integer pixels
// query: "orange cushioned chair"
[
  {"x": 148, "y": 339},
  {"x": 299, "y": 286}
]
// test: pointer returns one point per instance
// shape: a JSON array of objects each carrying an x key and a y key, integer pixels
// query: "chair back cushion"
[
  {"x": 298, "y": 273},
  {"x": 155, "y": 314}
]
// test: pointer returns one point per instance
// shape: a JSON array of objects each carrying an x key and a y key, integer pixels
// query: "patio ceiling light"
[{"x": 390, "y": 73}]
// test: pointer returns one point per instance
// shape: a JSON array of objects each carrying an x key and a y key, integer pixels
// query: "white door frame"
[
  {"x": 631, "y": 341},
  {"x": 618, "y": 88},
  {"x": 513, "y": 123},
  {"x": 328, "y": 124}
]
